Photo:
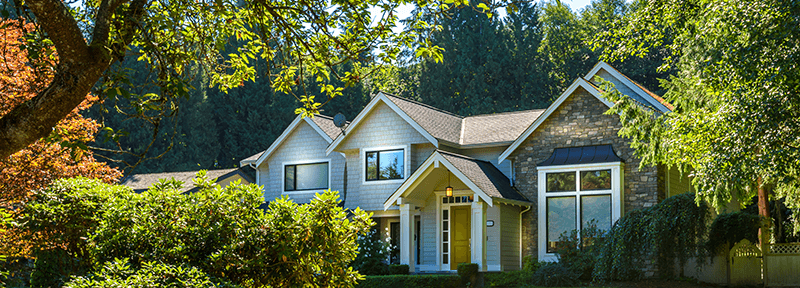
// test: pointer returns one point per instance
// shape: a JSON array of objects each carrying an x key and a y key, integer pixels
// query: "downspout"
[
  {"x": 520, "y": 235},
  {"x": 344, "y": 182},
  {"x": 252, "y": 165}
]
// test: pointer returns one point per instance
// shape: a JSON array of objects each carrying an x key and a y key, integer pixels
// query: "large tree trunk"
[
  {"x": 763, "y": 211},
  {"x": 36, "y": 118},
  {"x": 80, "y": 66}
]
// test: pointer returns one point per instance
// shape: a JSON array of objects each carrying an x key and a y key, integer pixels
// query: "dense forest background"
[{"x": 521, "y": 61}]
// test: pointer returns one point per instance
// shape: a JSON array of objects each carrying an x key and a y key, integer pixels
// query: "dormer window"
[{"x": 384, "y": 165}]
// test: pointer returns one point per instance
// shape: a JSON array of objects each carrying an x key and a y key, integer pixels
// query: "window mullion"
[{"x": 378, "y": 166}]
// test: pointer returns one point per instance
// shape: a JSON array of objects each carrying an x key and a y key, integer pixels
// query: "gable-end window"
[
  {"x": 571, "y": 197},
  {"x": 384, "y": 165},
  {"x": 301, "y": 177}
]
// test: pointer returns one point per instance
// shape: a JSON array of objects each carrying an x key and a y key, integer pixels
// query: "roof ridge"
[
  {"x": 425, "y": 105},
  {"x": 463, "y": 156},
  {"x": 323, "y": 116},
  {"x": 507, "y": 112}
]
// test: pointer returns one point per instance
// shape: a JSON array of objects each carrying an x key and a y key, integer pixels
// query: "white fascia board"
[
  {"x": 371, "y": 105},
  {"x": 246, "y": 162},
  {"x": 277, "y": 143},
  {"x": 432, "y": 160},
  {"x": 627, "y": 82},
  {"x": 580, "y": 82}
]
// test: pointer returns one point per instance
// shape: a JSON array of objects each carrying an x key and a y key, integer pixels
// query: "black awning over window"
[{"x": 582, "y": 155}]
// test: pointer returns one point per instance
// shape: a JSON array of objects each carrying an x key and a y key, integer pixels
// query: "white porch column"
[
  {"x": 407, "y": 236},
  {"x": 478, "y": 245}
]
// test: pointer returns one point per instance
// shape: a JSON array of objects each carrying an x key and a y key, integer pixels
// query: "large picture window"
[
  {"x": 572, "y": 198},
  {"x": 300, "y": 177},
  {"x": 384, "y": 165}
]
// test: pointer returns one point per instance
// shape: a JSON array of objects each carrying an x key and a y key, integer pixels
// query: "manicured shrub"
[
  {"x": 555, "y": 274},
  {"x": 468, "y": 273},
  {"x": 397, "y": 269},
  {"x": 410, "y": 281},
  {"x": 514, "y": 278},
  {"x": 509, "y": 279}
]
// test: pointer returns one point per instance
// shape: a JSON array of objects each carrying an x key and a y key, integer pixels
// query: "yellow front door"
[{"x": 460, "y": 228}]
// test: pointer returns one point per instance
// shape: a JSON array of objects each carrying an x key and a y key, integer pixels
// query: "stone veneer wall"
[{"x": 580, "y": 121}]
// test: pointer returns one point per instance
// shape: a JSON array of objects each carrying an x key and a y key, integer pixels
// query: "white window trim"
[
  {"x": 617, "y": 187},
  {"x": 301, "y": 162},
  {"x": 406, "y": 164}
]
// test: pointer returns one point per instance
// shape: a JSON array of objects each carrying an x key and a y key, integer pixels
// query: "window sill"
[
  {"x": 303, "y": 192},
  {"x": 382, "y": 182}
]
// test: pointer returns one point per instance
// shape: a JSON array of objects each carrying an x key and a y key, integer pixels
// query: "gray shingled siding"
[
  {"x": 381, "y": 127},
  {"x": 490, "y": 154},
  {"x": 304, "y": 143},
  {"x": 493, "y": 235},
  {"x": 580, "y": 121},
  {"x": 420, "y": 153},
  {"x": 428, "y": 220}
]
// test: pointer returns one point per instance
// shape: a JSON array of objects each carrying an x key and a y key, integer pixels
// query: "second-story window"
[
  {"x": 299, "y": 177},
  {"x": 384, "y": 165}
]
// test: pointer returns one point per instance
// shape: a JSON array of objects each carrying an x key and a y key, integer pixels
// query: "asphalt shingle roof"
[
  {"x": 141, "y": 182},
  {"x": 485, "y": 175},
  {"x": 326, "y": 124},
  {"x": 254, "y": 157},
  {"x": 439, "y": 123},
  {"x": 470, "y": 130},
  {"x": 501, "y": 127}
]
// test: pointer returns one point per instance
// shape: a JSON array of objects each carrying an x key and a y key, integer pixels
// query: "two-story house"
[{"x": 485, "y": 189}]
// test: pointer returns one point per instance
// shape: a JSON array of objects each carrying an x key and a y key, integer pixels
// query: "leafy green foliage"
[
  {"x": 468, "y": 273},
  {"x": 516, "y": 278},
  {"x": 675, "y": 229},
  {"x": 735, "y": 93},
  {"x": 730, "y": 228},
  {"x": 509, "y": 279},
  {"x": 580, "y": 253},
  {"x": 552, "y": 274},
  {"x": 223, "y": 232},
  {"x": 397, "y": 269},
  {"x": 119, "y": 273},
  {"x": 372, "y": 254},
  {"x": 410, "y": 281}
]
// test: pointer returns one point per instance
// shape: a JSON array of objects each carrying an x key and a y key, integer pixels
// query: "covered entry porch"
[{"x": 468, "y": 213}]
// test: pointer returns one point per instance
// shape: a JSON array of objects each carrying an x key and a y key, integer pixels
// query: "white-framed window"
[
  {"x": 570, "y": 196},
  {"x": 385, "y": 164},
  {"x": 309, "y": 176}
]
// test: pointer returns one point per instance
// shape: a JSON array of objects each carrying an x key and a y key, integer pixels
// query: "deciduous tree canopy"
[
  {"x": 44, "y": 160},
  {"x": 176, "y": 38},
  {"x": 736, "y": 122}
]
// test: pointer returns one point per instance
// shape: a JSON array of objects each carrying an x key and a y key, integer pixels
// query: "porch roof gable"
[{"x": 482, "y": 177}]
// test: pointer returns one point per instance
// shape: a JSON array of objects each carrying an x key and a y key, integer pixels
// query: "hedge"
[{"x": 410, "y": 281}]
